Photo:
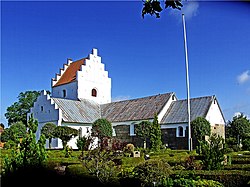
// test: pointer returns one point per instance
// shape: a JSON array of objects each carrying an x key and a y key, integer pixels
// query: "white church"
[{"x": 81, "y": 94}]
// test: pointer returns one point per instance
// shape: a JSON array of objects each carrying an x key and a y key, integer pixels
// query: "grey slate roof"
[
  {"x": 135, "y": 109},
  {"x": 177, "y": 112},
  {"x": 87, "y": 111},
  {"x": 81, "y": 111}
]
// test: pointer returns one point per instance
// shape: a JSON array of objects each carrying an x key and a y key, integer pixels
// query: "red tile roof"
[{"x": 70, "y": 74}]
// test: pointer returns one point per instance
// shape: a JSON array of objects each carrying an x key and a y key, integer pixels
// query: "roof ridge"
[
  {"x": 141, "y": 97},
  {"x": 211, "y": 96}
]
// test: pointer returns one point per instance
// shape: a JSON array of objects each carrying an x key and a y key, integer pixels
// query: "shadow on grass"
[{"x": 30, "y": 177}]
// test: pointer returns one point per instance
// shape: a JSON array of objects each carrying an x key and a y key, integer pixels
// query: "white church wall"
[
  {"x": 45, "y": 110},
  {"x": 165, "y": 108},
  {"x": 93, "y": 76},
  {"x": 70, "y": 90},
  {"x": 214, "y": 115},
  {"x": 85, "y": 131}
]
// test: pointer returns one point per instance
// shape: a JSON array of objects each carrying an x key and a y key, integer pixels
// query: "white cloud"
[
  {"x": 190, "y": 9},
  {"x": 120, "y": 98},
  {"x": 243, "y": 77}
]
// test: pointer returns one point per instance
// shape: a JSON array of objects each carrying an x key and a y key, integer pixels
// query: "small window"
[
  {"x": 64, "y": 93},
  {"x": 87, "y": 129},
  {"x": 172, "y": 97},
  {"x": 180, "y": 131},
  {"x": 132, "y": 130},
  {"x": 41, "y": 108},
  {"x": 94, "y": 93}
]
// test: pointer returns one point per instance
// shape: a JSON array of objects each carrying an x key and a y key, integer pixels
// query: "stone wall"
[
  {"x": 171, "y": 141},
  {"x": 218, "y": 129},
  {"x": 169, "y": 138}
]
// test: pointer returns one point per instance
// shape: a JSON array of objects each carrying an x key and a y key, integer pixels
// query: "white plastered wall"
[
  {"x": 165, "y": 108},
  {"x": 214, "y": 115},
  {"x": 45, "y": 110},
  {"x": 86, "y": 130},
  {"x": 216, "y": 120},
  {"x": 93, "y": 76},
  {"x": 70, "y": 88}
]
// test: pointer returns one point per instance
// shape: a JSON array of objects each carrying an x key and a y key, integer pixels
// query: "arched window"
[
  {"x": 94, "y": 93},
  {"x": 180, "y": 131},
  {"x": 64, "y": 93}
]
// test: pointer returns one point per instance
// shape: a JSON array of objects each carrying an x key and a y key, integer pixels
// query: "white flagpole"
[{"x": 187, "y": 81}]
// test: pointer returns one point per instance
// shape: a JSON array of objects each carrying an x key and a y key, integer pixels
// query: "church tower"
[{"x": 83, "y": 79}]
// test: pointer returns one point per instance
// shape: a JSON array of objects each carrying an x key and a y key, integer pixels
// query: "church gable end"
[{"x": 83, "y": 79}]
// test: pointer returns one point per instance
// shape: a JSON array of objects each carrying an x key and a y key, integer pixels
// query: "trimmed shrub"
[{"x": 152, "y": 171}]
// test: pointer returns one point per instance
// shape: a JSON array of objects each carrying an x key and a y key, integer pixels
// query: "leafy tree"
[
  {"x": 155, "y": 134},
  {"x": 102, "y": 128},
  {"x": 18, "y": 111},
  {"x": 239, "y": 127},
  {"x": 143, "y": 130},
  {"x": 48, "y": 131},
  {"x": 153, "y": 7},
  {"x": 83, "y": 143},
  {"x": 213, "y": 152},
  {"x": 14, "y": 132},
  {"x": 6, "y": 135},
  {"x": 30, "y": 153},
  {"x": 65, "y": 134},
  {"x": 200, "y": 127}
]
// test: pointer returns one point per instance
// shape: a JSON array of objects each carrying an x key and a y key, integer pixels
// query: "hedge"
[{"x": 229, "y": 178}]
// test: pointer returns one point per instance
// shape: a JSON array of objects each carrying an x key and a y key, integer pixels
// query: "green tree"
[
  {"x": 213, "y": 152},
  {"x": 18, "y": 111},
  {"x": 65, "y": 134},
  {"x": 153, "y": 7},
  {"x": 155, "y": 134},
  {"x": 6, "y": 135},
  {"x": 143, "y": 130},
  {"x": 200, "y": 128},
  {"x": 102, "y": 128},
  {"x": 14, "y": 132},
  {"x": 240, "y": 127},
  {"x": 30, "y": 153},
  {"x": 48, "y": 131}
]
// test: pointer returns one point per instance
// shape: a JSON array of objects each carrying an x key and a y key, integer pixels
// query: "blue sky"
[{"x": 143, "y": 56}]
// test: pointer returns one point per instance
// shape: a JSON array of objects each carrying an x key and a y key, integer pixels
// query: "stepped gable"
[
  {"x": 177, "y": 112},
  {"x": 135, "y": 109},
  {"x": 68, "y": 74}
]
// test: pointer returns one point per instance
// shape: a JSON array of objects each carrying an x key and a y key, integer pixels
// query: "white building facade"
[{"x": 81, "y": 94}]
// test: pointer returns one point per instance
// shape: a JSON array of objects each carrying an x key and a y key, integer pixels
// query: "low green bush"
[
  {"x": 152, "y": 171},
  {"x": 245, "y": 167},
  {"x": 232, "y": 178},
  {"x": 132, "y": 161},
  {"x": 240, "y": 160},
  {"x": 76, "y": 170}
]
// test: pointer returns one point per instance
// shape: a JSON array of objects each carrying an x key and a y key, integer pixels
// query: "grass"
[{"x": 237, "y": 171}]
